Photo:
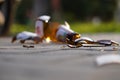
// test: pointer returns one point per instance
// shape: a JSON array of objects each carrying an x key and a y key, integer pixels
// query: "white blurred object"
[
  {"x": 39, "y": 25},
  {"x": 25, "y": 35},
  {"x": 39, "y": 28},
  {"x": 45, "y": 18},
  {"x": 84, "y": 38},
  {"x": 63, "y": 31},
  {"x": 108, "y": 59},
  {"x": 67, "y": 24}
]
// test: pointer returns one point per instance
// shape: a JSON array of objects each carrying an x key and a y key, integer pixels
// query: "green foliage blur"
[
  {"x": 72, "y": 10},
  {"x": 80, "y": 27},
  {"x": 88, "y": 27},
  {"x": 23, "y": 12},
  {"x": 85, "y": 10},
  {"x": 78, "y": 13},
  {"x": 17, "y": 28}
]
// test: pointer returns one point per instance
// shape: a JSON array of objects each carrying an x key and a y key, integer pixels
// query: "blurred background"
[{"x": 84, "y": 16}]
